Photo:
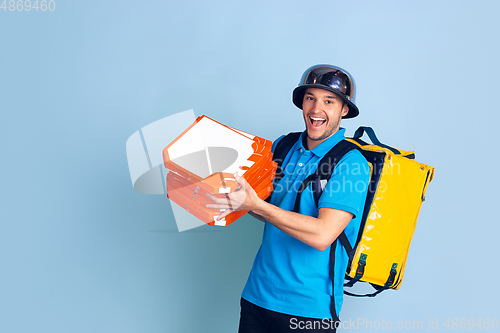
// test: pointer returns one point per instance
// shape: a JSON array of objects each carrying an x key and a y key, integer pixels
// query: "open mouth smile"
[{"x": 316, "y": 122}]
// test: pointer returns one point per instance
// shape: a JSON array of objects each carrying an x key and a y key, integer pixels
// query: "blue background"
[{"x": 81, "y": 251}]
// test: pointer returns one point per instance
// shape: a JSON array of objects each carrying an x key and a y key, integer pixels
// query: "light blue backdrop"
[{"x": 81, "y": 251}]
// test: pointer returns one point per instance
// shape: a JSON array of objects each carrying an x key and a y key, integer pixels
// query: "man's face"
[{"x": 322, "y": 111}]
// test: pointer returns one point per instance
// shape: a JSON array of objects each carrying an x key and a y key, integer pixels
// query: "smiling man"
[
  {"x": 296, "y": 282},
  {"x": 322, "y": 113}
]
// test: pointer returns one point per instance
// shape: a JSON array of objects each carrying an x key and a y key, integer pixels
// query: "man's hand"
[
  {"x": 317, "y": 232},
  {"x": 244, "y": 198}
]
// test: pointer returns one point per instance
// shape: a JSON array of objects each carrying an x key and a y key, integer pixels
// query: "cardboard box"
[{"x": 204, "y": 159}]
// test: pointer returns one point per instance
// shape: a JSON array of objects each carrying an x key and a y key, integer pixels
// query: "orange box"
[
  {"x": 204, "y": 159},
  {"x": 177, "y": 183},
  {"x": 257, "y": 153},
  {"x": 205, "y": 214}
]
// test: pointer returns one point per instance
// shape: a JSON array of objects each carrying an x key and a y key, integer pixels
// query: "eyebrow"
[{"x": 327, "y": 96}]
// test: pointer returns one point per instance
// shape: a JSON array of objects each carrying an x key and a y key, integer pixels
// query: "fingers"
[
  {"x": 220, "y": 203},
  {"x": 224, "y": 214},
  {"x": 218, "y": 206},
  {"x": 217, "y": 199},
  {"x": 228, "y": 200},
  {"x": 212, "y": 197}
]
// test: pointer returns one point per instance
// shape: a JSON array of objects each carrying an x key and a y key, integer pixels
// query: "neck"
[{"x": 311, "y": 144}]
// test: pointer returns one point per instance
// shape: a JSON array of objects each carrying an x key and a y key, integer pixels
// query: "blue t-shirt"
[{"x": 289, "y": 276}]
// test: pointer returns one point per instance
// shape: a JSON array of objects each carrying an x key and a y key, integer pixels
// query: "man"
[{"x": 293, "y": 278}]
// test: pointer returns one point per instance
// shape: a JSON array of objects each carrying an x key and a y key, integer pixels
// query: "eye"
[{"x": 309, "y": 98}]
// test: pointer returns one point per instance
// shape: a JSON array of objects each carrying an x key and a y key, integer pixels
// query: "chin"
[
  {"x": 316, "y": 137},
  {"x": 325, "y": 134}
]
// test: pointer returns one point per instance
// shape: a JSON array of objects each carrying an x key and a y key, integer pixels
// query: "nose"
[{"x": 316, "y": 107}]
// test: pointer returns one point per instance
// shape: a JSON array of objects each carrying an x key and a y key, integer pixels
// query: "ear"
[{"x": 345, "y": 110}]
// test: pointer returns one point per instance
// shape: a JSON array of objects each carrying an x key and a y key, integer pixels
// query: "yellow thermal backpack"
[{"x": 397, "y": 189}]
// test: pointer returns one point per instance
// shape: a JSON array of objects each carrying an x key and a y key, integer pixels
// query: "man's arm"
[
  {"x": 258, "y": 217},
  {"x": 318, "y": 232}
]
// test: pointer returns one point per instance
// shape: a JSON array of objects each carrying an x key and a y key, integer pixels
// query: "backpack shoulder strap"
[
  {"x": 328, "y": 164},
  {"x": 321, "y": 176},
  {"x": 281, "y": 150},
  {"x": 324, "y": 171}
]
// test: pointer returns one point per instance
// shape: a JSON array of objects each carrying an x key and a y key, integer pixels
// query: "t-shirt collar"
[{"x": 325, "y": 146}]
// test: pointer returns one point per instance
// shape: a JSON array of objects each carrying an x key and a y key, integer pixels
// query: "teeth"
[{"x": 317, "y": 118}]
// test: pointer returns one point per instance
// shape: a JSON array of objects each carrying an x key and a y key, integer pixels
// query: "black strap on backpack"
[
  {"x": 378, "y": 289},
  {"x": 323, "y": 173},
  {"x": 280, "y": 151},
  {"x": 371, "y": 134}
]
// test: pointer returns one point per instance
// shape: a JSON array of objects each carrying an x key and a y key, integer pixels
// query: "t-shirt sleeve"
[{"x": 347, "y": 187}]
